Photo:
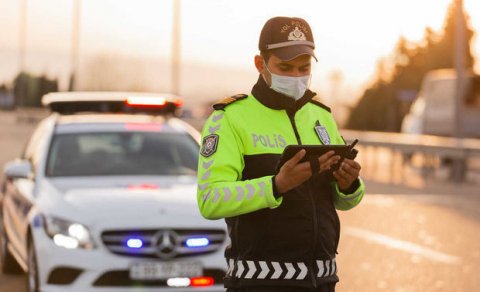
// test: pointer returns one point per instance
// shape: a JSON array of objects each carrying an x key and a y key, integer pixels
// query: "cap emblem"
[{"x": 296, "y": 35}]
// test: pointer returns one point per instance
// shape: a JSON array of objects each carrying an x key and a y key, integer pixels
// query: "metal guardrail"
[
  {"x": 441, "y": 146},
  {"x": 457, "y": 151}
]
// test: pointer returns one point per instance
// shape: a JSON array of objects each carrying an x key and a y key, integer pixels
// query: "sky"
[{"x": 350, "y": 35}]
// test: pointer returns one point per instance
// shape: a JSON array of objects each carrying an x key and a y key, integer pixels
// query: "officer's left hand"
[{"x": 347, "y": 173}]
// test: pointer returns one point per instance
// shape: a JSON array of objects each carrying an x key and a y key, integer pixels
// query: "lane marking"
[{"x": 403, "y": 245}]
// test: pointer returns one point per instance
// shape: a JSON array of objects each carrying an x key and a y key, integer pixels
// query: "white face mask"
[{"x": 291, "y": 86}]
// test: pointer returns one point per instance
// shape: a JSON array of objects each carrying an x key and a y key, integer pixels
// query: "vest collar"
[{"x": 275, "y": 100}]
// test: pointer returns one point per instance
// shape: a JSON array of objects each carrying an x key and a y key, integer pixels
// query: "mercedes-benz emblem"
[{"x": 166, "y": 242}]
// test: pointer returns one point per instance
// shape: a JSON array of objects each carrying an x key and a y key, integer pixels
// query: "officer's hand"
[
  {"x": 347, "y": 173},
  {"x": 293, "y": 173}
]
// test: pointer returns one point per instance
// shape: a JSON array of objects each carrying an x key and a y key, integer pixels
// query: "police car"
[{"x": 104, "y": 197}]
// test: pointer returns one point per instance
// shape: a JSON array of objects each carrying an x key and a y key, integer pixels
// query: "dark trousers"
[{"x": 324, "y": 288}]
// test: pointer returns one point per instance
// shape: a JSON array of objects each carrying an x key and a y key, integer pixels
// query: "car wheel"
[
  {"x": 7, "y": 261},
  {"x": 32, "y": 272}
]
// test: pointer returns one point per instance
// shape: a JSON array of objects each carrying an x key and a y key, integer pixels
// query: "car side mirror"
[{"x": 18, "y": 169}]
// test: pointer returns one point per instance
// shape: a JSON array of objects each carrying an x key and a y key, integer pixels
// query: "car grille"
[{"x": 163, "y": 243}]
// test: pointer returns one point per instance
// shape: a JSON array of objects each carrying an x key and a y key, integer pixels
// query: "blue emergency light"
[
  {"x": 135, "y": 243},
  {"x": 197, "y": 242}
]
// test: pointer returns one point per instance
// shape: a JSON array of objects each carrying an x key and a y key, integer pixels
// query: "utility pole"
[
  {"x": 458, "y": 167},
  {"x": 459, "y": 63},
  {"x": 22, "y": 36},
  {"x": 20, "y": 90},
  {"x": 75, "y": 49},
  {"x": 176, "y": 47}
]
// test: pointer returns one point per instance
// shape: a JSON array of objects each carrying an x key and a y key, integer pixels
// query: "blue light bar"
[
  {"x": 197, "y": 242},
  {"x": 134, "y": 243}
]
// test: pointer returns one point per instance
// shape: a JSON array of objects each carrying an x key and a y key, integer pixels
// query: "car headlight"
[{"x": 68, "y": 234}]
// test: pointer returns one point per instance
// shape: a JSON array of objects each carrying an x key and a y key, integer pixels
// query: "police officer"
[{"x": 283, "y": 225}]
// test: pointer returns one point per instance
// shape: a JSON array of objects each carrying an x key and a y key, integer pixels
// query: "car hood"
[{"x": 125, "y": 202}]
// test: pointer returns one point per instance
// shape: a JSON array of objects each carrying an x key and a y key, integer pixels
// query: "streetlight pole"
[
  {"x": 20, "y": 90},
  {"x": 75, "y": 53},
  {"x": 22, "y": 35},
  {"x": 459, "y": 63},
  {"x": 176, "y": 40},
  {"x": 460, "y": 49}
]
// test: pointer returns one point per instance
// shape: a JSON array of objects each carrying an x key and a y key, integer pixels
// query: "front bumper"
[{"x": 62, "y": 269}]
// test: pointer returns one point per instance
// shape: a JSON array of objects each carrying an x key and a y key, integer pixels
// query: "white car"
[{"x": 107, "y": 200}]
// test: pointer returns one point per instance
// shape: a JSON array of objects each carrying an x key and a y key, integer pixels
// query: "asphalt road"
[{"x": 418, "y": 238}]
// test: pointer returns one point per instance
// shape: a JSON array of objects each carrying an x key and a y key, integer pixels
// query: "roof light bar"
[
  {"x": 178, "y": 102},
  {"x": 146, "y": 101},
  {"x": 68, "y": 103}
]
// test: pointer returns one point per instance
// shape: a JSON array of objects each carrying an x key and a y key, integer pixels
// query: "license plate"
[{"x": 165, "y": 270}]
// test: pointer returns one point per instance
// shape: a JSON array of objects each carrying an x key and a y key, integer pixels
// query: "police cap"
[{"x": 287, "y": 38}]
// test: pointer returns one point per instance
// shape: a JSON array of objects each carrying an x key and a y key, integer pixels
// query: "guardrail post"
[{"x": 458, "y": 170}]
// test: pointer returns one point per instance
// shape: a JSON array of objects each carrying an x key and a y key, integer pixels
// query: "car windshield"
[{"x": 122, "y": 153}]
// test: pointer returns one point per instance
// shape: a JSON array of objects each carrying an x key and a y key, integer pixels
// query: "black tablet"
[{"x": 315, "y": 151}]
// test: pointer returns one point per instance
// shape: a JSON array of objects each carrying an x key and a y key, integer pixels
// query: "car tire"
[
  {"x": 33, "y": 283},
  {"x": 7, "y": 262}
]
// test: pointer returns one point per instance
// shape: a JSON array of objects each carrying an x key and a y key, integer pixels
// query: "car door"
[{"x": 19, "y": 194}]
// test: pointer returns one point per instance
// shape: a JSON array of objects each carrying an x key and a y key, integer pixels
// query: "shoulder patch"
[
  {"x": 209, "y": 145},
  {"x": 316, "y": 100},
  {"x": 220, "y": 105}
]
